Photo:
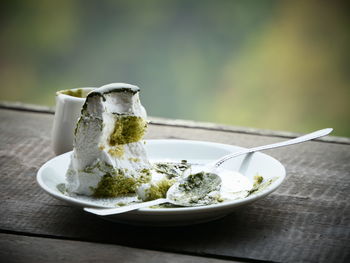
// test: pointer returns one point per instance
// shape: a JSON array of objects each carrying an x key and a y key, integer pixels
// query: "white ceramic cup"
[{"x": 67, "y": 113}]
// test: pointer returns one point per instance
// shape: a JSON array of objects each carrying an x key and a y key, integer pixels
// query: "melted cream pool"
[{"x": 234, "y": 185}]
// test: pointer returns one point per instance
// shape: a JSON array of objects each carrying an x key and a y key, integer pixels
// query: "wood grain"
[
  {"x": 306, "y": 220},
  {"x": 37, "y": 250}
]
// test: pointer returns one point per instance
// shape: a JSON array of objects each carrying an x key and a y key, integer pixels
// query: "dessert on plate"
[{"x": 109, "y": 159}]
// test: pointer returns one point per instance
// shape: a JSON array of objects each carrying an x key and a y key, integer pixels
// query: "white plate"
[{"x": 53, "y": 173}]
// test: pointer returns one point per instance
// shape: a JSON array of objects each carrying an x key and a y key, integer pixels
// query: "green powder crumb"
[
  {"x": 113, "y": 186},
  {"x": 62, "y": 188},
  {"x": 145, "y": 177},
  {"x": 127, "y": 129},
  {"x": 119, "y": 184},
  {"x": 258, "y": 179},
  {"x": 259, "y": 185},
  {"x": 172, "y": 169},
  {"x": 159, "y": 189},
  {"x": 117, "y": 151}
]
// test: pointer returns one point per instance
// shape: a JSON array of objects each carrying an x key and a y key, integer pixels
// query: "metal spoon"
[
  {"x": 212, "y": 166},
  {"x": 190, "y": 191}
]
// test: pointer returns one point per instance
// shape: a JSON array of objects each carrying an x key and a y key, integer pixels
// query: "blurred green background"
[{"x": 280, "y": 65}]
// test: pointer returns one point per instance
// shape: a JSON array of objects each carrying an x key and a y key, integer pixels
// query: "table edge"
[{"x": 19, "y": 106}]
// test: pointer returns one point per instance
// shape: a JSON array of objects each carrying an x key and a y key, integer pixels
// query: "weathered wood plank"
[
  {"x": 20, "y": 106},
  {"x": 16, "y": 248},
  {"x": 307, "y": 219}
]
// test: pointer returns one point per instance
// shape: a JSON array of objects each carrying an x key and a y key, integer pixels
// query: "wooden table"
[{"x": 306, "y": 220}]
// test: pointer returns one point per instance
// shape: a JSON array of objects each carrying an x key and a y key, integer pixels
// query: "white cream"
[
  {"x": 91, "y": 144},
  {"x": 234, "y": 185}
]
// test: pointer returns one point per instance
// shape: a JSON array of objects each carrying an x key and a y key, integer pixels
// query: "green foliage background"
[{"x": 280, "y": 65}]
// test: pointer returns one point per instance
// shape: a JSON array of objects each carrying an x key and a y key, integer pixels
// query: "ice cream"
[{"x": 109, "y": 158}]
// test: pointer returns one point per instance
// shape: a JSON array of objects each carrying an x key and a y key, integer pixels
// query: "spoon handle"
[
  {"x": 300, "y": 139},
  {"x": 123, "y": 209}
]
